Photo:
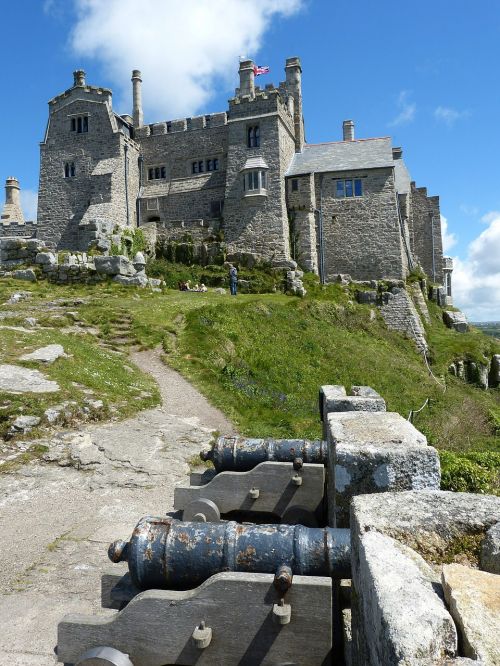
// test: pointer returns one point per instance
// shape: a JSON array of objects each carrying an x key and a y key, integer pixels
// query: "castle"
[{"x": 344, "y": 207}]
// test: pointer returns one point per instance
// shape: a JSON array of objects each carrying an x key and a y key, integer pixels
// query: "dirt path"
[{"x": 57, "y": 518}]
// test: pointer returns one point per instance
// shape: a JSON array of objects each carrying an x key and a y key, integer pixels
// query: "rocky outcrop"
[
  {"x": 490, "y": 550},
  {"x": 456, "y": 320}
]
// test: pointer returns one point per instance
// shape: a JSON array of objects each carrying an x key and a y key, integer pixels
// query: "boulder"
[
  {"x": 46, "y": 258},
  {"x": 490, "y": 550},
  {"x": 368, "y": 297},
  {"x": 473, "y": 598},
  {"x": 456, "y": 320},
  {"x": 47, "y": 354},
  {"x": 114, "y": 265},
  {"x": 24, "y": 424},
  {"x": 25, "y": 274},
  {"x": 14, "y": 379},
  {"x": 494, "y": 378},
  {"x": 137, "y": 280}
]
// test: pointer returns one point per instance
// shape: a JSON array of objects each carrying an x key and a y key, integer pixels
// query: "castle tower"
[
  {"x": 137, "y": 99},
  {"x": 12, "y": 211},
  {"x": 261, "y": 144},
  {"x": 293, "y": 84}
]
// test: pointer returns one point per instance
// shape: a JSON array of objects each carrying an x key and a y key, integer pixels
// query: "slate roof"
[{"x": 343, "y": 156}]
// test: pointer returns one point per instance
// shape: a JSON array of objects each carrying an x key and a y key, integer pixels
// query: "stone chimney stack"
[
  {"x": 348, "y": 130},
  {"x": 137, "y": 99},
  {"x": 79, "y": 78},
  {"x": 12, "y": 211},
  {"x": 247, "y": 78},
  {"x": 293, "y": 71}
]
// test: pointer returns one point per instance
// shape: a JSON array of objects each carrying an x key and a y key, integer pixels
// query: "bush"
[{"x": 472, "y": 472}]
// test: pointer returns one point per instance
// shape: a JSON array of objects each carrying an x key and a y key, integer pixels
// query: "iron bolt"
[{"x": 254, "y": 493}]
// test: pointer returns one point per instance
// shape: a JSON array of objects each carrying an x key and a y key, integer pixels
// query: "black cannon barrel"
[
  {"x": 172, "y": 554},
  {"x": 240, "y": 454}
]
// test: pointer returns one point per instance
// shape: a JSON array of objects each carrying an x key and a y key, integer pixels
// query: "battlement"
[{"x": 207, "y": 121}]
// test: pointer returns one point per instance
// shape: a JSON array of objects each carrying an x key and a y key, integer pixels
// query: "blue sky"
[{"x": 425, "y": 73}]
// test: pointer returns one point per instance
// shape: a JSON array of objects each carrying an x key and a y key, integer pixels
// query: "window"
[
  {"x": 69, "y": 170},
  {"x": 255, "y": 180},
  {"x": 157, "y": 173},
  {"x": 198, "y": 167},
  {"x": 348, "y": 188},
  {"x": 213, "y": 165},
  {"x": 216, "y": 208},
  {"x": 253, "y": 136},
  {"x": 80, "y": 124},
  {"x": 295, "y": 184}
]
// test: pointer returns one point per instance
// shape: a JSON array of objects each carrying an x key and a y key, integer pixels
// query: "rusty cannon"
[
  {"x": 283, "y": 478},
  {"x": 164, "y": 553},
  {"x": 216, "y": 593},
  {"x": 241, "y": 454}
]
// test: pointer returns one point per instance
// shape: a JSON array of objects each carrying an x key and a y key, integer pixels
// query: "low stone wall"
[
  {"x": 399, "y": 611},
  {"x": 16, "y": 251},
  {"x": 27, "y": 229},
  {"x": 400, "y": 314}
]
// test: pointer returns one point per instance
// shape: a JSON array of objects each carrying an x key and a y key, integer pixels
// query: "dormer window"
[
  {"x": 80, "y": 124},
  {"x": 253, "y": 136}
]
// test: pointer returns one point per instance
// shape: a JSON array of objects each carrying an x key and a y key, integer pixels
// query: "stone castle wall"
[
  {"x": 253, "y": 223},
  {"x": 425, "y": 233},
  {"x": 362, "y": 236},
  {"x": 13, "y": 230},
  {"x": 104, "y": 158}
]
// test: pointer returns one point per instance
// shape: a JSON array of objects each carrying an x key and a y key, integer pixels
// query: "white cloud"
[
  {"x": 476, "y": 280},
  {"x": 448, "y": 115},
  {"x": 183, "y": 49},
  {"x": 449, "y": 239},
  {"x": 407, "y": 110},
  {"x": 29, "y": 204},
  {"x": 471, "y": 211}
]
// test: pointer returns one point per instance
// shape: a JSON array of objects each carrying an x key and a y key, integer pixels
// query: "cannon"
[
  {"x": 240, "y": 454},
  {"x": 217, "y": 593},
  {"x": 282, "y": 477},
  {"x": 164, "y": 553}
]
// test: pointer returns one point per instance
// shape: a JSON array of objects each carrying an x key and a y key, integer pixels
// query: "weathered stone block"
[
  {"x": 367, "y": 297},
  {"x": 46, "y": 258},
  {"x": 490, "y": 550},
  {"x": 456, "y": 320},
  {"x": 27, "y": 274},
  {"x": 136, "y": 280},
  {"x": 473, "y": 598},
  {"x": 333, "y": 398},
  {"x": 114, "y": 265},
  {"x": 398, "y": 617},
  {"x": 374, "y": 452}
]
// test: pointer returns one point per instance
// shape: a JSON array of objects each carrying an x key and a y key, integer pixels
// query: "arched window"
[{"x": 253, "y": 136}]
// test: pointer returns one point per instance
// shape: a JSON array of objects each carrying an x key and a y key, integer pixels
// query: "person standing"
[{"x": 233, "y": 279}]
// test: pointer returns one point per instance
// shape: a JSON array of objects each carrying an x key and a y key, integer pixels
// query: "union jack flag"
[{"x": 259, "y": 69}]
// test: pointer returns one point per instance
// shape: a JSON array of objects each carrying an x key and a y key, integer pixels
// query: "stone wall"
[
  {"x": 301, "y": 205},
  {"x": 362, "y": 235},
  {"x": 27, "y": 229},
  {"x": 106, "y": 180},
  {"x": 17, "y": 251},
  {"x": 258, "y": 224},
  {"x": 400, "y": 314},
  {"x": 425, "y": 233}
]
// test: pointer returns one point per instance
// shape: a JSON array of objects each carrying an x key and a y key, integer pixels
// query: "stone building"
[{"x": 246, "y": 175}]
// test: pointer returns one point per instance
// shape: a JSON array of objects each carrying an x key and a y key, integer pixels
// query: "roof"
[
  {"x": 255, "y": 163},
  {"x": 343, "y": 156}
]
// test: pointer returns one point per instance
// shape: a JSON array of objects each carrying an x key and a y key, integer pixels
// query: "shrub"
[{"x": 472, "y": 472}]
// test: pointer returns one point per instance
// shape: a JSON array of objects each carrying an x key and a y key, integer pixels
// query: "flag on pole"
[{"x": 259, "y": 69}]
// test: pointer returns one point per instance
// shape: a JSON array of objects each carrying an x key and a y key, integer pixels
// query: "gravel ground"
[{"x": 58, "y": 517}]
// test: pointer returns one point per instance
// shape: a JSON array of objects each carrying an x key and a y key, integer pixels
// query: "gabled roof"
[{"x": 343, "y": 156}]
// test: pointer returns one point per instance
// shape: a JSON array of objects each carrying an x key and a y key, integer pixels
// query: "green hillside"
[{"x": 262, "y": 357}]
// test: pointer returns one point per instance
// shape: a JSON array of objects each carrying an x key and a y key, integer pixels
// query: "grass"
[{"x": 261, "y": 358}]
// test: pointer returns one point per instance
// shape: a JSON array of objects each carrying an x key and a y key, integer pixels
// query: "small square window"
[
  {"x": 295, "y": 184},
  {"x": 339, "y": 189}
]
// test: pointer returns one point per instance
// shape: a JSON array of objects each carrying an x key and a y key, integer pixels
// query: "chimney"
[
  {"x": 137, "y": 98},
  {"x": 348, "y": 130},
  {"x": 79, "y": 78},
  {"x": 247, "y": 78},
  {"x": 397, "y": 153},
  {"x": 12, "y": 210}
]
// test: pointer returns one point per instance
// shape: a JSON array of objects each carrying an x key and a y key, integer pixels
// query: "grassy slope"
[{"x": 262, "y": 358}]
